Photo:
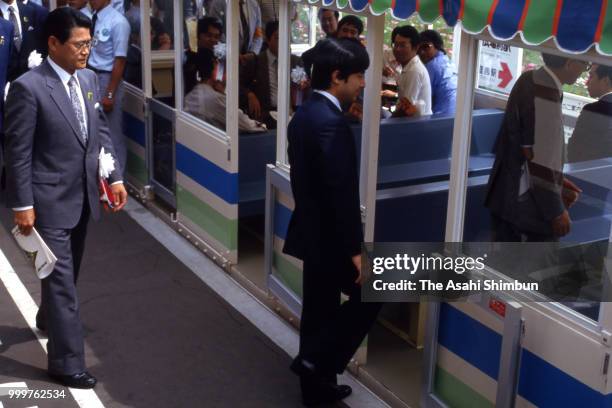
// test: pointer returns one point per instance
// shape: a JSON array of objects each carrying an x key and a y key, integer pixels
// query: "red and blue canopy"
[{"x": 575, "y": 25}]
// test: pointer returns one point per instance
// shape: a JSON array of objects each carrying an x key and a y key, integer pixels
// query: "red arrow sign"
[{"x": 505, "y": 75}]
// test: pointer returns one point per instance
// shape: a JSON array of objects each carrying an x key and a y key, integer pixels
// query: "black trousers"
[
  {"x": 59, "y": 306},
  {"x": 331, "y": 331},
  {"x": 505, "y": 231}
]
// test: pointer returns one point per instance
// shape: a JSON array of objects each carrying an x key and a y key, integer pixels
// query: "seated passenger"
[
  {"x": 160, "y": 39},
  {"x": 209, "y": 32},
  {"x": 592, "y": 137},
  {"x": 442, "y": 76},
  {"x": 413, "y": 82},
  {"x": 259, "y": 79},
  {"x": 349, "y": 27},
  {"x": 207, "y": 100}
]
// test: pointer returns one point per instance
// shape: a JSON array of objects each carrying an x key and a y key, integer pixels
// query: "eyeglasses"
[{"x": 82, "y": 45}]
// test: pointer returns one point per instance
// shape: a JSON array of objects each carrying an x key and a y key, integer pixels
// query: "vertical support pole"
[
  {"x": 145, "y": 46},
  {"x": 284, "y": 66},
  {"x": 460, "y": 156},
  {"x": 232, "y": 21},
  {"x": 178, "y": 55},
  {"x": 52, "y": 5},
  {"x": 371, "y": 122}
]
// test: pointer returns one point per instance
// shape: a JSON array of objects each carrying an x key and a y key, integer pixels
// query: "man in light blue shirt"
[
  {"x": 111, "y": 32},
  {"x": 441, "y": 71}
]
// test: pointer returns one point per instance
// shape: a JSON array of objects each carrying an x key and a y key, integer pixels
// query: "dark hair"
[
  {"x": 554, "y": 61},
  {"x": 206, "y": 22},
  {"x": 604, "y": 71},
  {"x": 433, "y": 37},
  {"x": 409, "y": 32},
  {"x": 62, "y": 20},
  {"x": 347, "y": 55},
  {"x": 271, "y": 28},
  {"x": 205, "y": 62},
  {"x": 323, "y": 10},
  {"x": 351, "y": 20}
]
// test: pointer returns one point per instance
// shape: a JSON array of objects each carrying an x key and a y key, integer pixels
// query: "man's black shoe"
[
  {"x": 82, "y": 380},
  {"x": 320, "y": 392},
  {"x": 41, "y": 326}
]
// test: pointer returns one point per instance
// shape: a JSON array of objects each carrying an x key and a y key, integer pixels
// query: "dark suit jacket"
[
  {"x": 6, "y": 47},
  {"x": 326, "y": 220},
  {"x": 592, "y": 137},
  {"x": 32, "y": 21},
  {"x": 48, "y": 164},
  {"x": 254, "y": 77},
  {"x": 535, "y": 210}
]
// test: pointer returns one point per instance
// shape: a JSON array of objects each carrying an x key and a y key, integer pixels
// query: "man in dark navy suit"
[
  {"x": 325, "y": 229},
  {"x": 6, "y": 45},
  {"x": 27, "y": 37}
]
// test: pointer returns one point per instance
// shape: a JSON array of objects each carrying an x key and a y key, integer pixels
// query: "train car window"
[
  {"x": 204, "y": 73},
  {"x": 133, "y": 66},
  {"x": 540, "y": 171},
  {"x": 162, "y": 45}
]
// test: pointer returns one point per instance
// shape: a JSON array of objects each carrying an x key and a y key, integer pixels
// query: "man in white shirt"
[{"x": 413, "y": 82}]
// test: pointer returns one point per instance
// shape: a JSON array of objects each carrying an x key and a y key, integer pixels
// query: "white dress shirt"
[
  {"x": 4, "y": 7},
  {"x": 414, "y": 84},
  {"x": 273, "y": 77},
  {"x": 331, "y": 97}
]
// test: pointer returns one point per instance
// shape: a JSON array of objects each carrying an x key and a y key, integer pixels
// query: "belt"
[{"x": 98, "y": 71}]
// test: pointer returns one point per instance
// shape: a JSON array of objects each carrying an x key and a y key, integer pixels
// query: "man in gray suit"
[
  {"x": 527, "y": 193},
  {"x": 54, "y": 133}
]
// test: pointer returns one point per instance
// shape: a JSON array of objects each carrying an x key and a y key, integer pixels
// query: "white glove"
[
  {"x": 6, "y": 89},
  {"x": 34, "y": 60}
]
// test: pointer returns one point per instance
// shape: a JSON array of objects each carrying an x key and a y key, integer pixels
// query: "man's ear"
[{"x": 336, "y": 77}]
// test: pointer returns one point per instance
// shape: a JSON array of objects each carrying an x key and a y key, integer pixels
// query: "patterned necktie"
[
  {"x": 76, "y": 105},
  {"x": 17, "y": 33},
  {"x": 244, "y": 24},
  {"x": 94, "y": 20}
]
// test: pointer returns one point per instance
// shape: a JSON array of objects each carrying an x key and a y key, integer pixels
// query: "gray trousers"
[
  {"x": 59, "y": 308},
  {"x": 115, "y": 119}
]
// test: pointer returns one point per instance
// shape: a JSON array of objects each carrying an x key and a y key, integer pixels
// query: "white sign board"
[{"x": 499, "y": 66}]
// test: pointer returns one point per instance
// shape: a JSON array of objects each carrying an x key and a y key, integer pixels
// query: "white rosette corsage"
[
  {"x": 34, "y": 60},
  {"x": 106, "y": 164},
  {"x": 298, "y": 76},
  {"x": 220, "y": 51}
]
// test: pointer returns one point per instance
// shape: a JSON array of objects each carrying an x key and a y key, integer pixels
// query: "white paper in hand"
[{"x": 35, "y": 249}]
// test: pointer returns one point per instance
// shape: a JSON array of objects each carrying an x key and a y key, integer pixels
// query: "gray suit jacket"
[
  {"x": 532, "y": 118},
  {"x": 48, "y": 164}
]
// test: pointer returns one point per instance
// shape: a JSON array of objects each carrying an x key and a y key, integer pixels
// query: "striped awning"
[{"x": 575, "y": 25}]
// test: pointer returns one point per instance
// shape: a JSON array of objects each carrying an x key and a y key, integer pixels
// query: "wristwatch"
[{"x": 109, "y": 95}]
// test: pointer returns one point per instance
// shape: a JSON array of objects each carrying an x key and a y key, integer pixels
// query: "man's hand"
[
  {"x": 254, "y": 106},
  {"x": 570, "y": 193},
  {"x": 119, "y": 196},
  {"x": 25, "y": 220},
  {"x": 357, "y": 263},
  {"x": 108, "y": 104},
  {"x": 387, "y": 93},
  {"x": 387, "y": 71},
  {"x": 356, "y": 110},
  {"x": 561, "y": 224}
]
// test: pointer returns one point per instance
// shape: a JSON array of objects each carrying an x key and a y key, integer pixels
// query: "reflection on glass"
[
  {"x": 133, "y": 67},
  {"x": 163, "y": 156},
  {"x": 550, "y": 179}
]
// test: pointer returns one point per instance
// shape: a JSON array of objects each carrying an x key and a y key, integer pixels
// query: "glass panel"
[
  {"x": 540, "y": 171},
  {"x": 163, "y": 151},
  {"x": 204, "y": 63},
  {"x": 162, "y": 57},
  {"x": 133, "y": 67}
]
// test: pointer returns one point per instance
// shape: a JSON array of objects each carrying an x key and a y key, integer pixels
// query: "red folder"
[{"x": 106, "y": 193}]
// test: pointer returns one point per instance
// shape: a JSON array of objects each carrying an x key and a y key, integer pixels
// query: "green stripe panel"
[
  {"x": 539, "y": 22},
  {"x": 476, "y": 14},
  {"x": 605, "y": 44},
  {"x": 380, "y": 6},
  {"x": 288, "y": 273},
  {"x": 223, "y": 229},
  {"x": 342, "y": 3},
  {"x": 429, "y": 10},
  {"x": 136, "y": 167},
  {"x": 457, "y": 394}
]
